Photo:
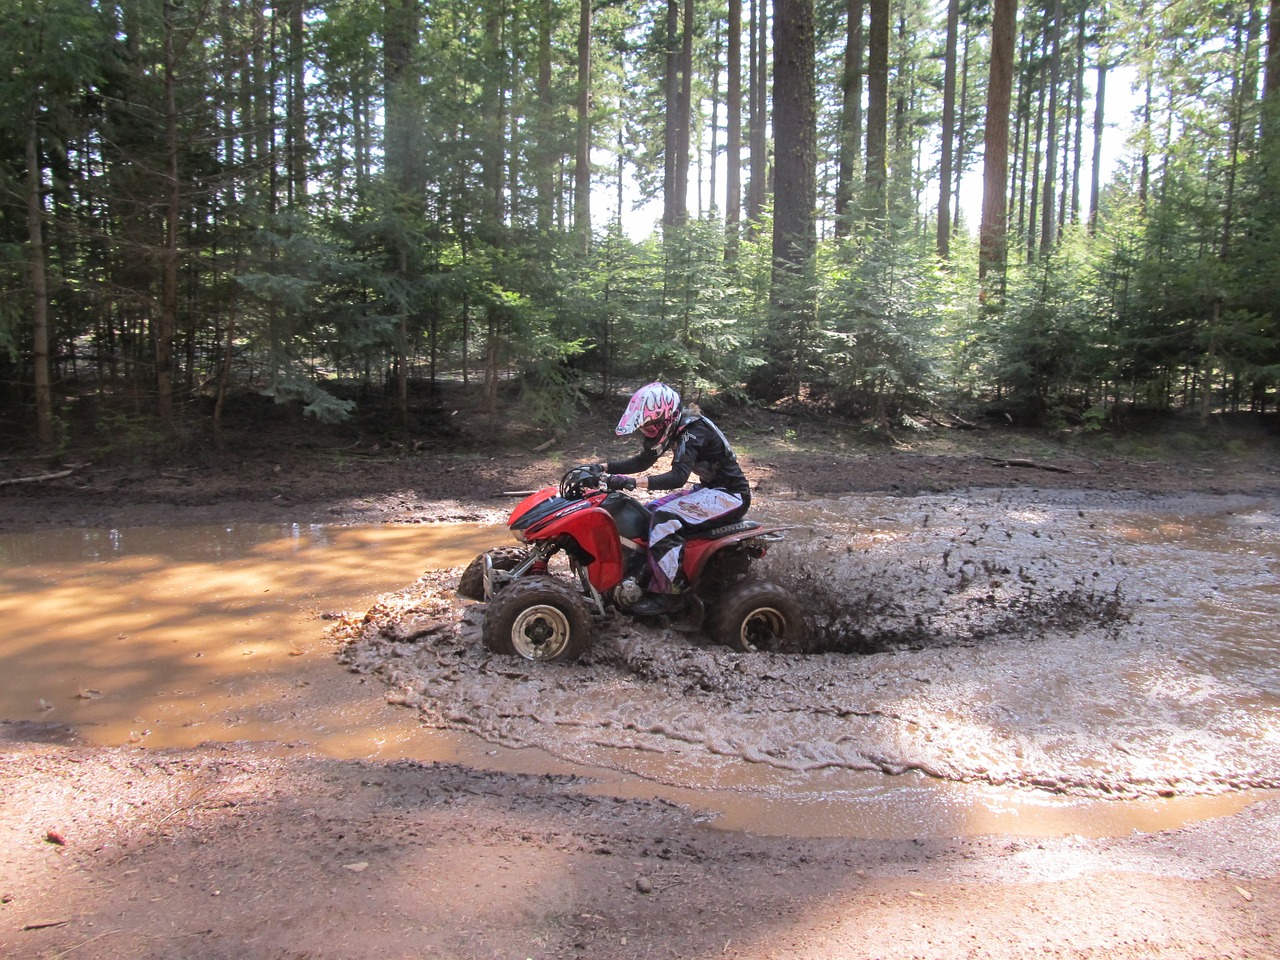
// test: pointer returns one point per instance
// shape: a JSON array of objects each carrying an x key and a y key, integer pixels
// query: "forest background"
[{"x": 343, "y": 202}]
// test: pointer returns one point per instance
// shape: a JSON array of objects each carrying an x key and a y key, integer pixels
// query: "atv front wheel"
[
  {"x": 471, "y": 583},
  {"x": 758, "y": 616},
  {"x": 538, "y": 618}
]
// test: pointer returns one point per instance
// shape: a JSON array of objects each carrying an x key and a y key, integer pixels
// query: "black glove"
[{"x": 617, "y": 481}]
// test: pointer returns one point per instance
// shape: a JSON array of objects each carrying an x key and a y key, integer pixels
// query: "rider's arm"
[
  {"x": 682, "y": 461},
  {"x": 643, "y": 460}
]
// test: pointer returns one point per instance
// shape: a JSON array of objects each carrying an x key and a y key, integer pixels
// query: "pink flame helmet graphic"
[{"x": 655, "y": 406}]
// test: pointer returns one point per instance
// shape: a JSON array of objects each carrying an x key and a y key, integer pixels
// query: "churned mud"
[{"x": 1085, "y": 645}]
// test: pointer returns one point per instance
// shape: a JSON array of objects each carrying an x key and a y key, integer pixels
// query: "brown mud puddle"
[{"x": 174, "y": 638}]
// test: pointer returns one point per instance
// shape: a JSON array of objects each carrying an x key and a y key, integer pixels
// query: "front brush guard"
[{"x": 536, "y": 563}]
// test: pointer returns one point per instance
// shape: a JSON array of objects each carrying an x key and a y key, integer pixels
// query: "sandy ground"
[
  {"x": 237, "y": 851},
  {"x": 228, "y": 853}
]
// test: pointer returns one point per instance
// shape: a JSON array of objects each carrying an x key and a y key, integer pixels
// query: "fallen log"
[
  {"x": 36, "y": 479},
  {"x": 1032, "y": 464}
]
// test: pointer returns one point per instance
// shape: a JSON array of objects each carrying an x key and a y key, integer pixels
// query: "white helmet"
[{"x": 653, "y": 411}]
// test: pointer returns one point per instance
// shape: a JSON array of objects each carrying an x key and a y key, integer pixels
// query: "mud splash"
[
  {"x": 946, "y": 572},
  {"x": 1067, "y": 643}
]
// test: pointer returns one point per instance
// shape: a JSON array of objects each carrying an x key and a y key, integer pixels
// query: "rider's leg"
[
  {"x": 666, "y": 551},
  {"x": 674, "y": 521}
]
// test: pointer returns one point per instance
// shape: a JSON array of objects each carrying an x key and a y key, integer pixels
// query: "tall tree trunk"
[
  {"x": 795, "y": 187},
  {"x": 494, "y": 122},
  {"x": 253, "y": 104},
  {"x": 1242, "y": 93},
  {"x": 1034, "y": 166},
  {"x": 1271, "y": 77},
  {"x": 1251, "y": 69},
  {"x": 1270, "y": 123},
  {"x": 493, "y": 154},
  {"x": 878, "y": 113},
  {"x": 1021, "y": 146},
  {"x": 713, "y": 151},
  {"x": 850, "y": 147},
  {"x": 993, "y": 235},
  {"x": 672, "y": 202},
  {"x": 757, "y": 184},
  {"x": 962, "y": 130},
  {"x": 167, "y": 319},
  {"x": 733, "y": 133},
  {"x": 1048, "y": 217},
  {"x": 39, "y": 287},
  {"x": 582, "y": 159},
  {"x": 901, "y": 194},
  {"x": 544, "y": 172},
  {"x": 1078, "y": 88},
  {"x": 399, "y": 44},
  {"x": 684, "y": 120},
  {"x": 1144, "y": 175},
  {"x": 948, "y": 130},
  {"x": 1095, "y": 176},
  {"x": 400, "y": 81},
  {"x": 296, "y": 123}
]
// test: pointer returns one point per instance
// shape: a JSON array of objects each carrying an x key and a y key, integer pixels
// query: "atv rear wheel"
[
  {"x": 471, "y": 583},
  {"x": 758, "y": 616},
  {"x": 538, "y": 618}
]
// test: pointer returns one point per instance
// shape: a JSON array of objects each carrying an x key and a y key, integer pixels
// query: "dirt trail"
[{"x": 228, "y": 853}]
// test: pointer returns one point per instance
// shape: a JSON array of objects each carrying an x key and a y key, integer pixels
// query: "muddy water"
[
  {"x": 172, "y": 638},
  {"x": 1035, "y": 657}
]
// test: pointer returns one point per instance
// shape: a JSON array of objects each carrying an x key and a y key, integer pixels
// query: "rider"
[{"x": 697, "y": 447}]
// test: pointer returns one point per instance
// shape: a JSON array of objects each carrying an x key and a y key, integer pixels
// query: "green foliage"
[
  {"x": 883, "y": 316},
  {"x": 373, "y": 200},
  {"x": 301, "y": 307},
  {"x": 1049, "y": 353},
  {"x": 52, "y": 53},
  {"x": 705, "y": 345},
  {"x": 12, "y": 312},
  {"x": 670, "y": 309},
  {"x": 291, "y": 385},
  {"x": 128, "y": 436},
  {"x": 550, "y": 391}
]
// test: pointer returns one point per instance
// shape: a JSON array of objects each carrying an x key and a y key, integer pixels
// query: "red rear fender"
[{"x": 698, "y": 552}]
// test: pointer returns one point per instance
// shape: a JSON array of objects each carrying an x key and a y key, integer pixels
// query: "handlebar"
[{"x": 577, "y": 480}]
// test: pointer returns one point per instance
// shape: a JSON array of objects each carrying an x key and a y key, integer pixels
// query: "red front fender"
[
  {"x": 598, "y": 535},
  {"x": 589, "y": 526}
]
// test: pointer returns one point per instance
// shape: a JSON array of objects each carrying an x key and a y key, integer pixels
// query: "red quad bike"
[{"x": 546, "y": 617}]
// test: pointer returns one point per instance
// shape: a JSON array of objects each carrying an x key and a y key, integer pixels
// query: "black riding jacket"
[{"x": 697, "y": 448}]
